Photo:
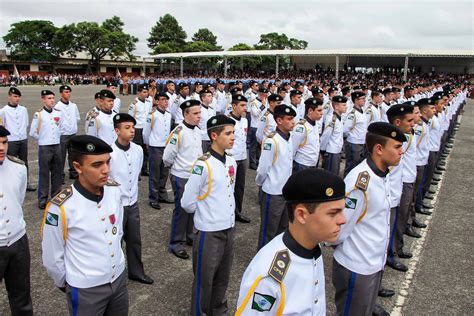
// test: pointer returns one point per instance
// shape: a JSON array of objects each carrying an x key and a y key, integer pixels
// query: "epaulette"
[
  {"x": 62, "y": 196},
  {"x": 266, "y": 113},
  {"x": 302, "y": 122},
  {"x": 271, "y": 134},
  {"x": 177, "y": 129},
  {"x": 112, "y": 183},
  {"x": 91, "y": 114},
  {"x": 16, "y": 159},
  {"x": 41, "y": 109},
  {"x": 135, "y": 101},
  {"x": 363, "y": 181},
  {"x": 57, "y": 109},
  {"x": 280, "y": 265},
  {"x": 204, "y": 157}
]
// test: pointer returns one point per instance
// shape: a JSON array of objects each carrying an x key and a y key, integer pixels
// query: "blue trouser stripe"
[
  {"x": 177, "y": 205},
  {"x": 74, "y": 300},
  {"x": 198, "y": 274},
  {"x": 265, "y": 222},
  {"x": 350, "y": 290},
  {"x": 391, "y": 243}
]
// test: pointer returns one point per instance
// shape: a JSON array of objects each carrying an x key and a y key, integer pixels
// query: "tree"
[
  {"x": 206, "y": 36},
  {"x": 103, "y": 40},
  {"x": 279, "y": 41},
  {"x": 247, "y": 62},
  {"x": 167, "y": 36},
  {"x": 37, "y": 40}
]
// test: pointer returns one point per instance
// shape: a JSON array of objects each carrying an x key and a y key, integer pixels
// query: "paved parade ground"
[{"x": 439, "y": 281}]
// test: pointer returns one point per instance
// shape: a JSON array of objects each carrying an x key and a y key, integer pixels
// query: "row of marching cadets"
[{"x": 392, "y": 165}]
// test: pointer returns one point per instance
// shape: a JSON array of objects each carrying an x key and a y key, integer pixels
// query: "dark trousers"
[
  {"x": 404, "y": 214},
  {"x": 393, "y": 246},
  {"x": 429, "y": 170},
  {"x": 138, "y": 139},
  {"x": 273, "y": 217},
  {"x": 416, "y": 188},
  {"x": 50, "y": 162},
  {"x": 253, "y": 147},
  {"x": 182, "y": 222},
  {"x": 158, "y": 174},
  {"x": 109, "y": 299},
  {"x": 213, "y": 253},
  {"x": 298, "y": 167},
  {"x": 65, "y": 139},
  {"x": 240, "y": 184},
  {"x": 356, "y": 294},
  {"x": 332, "y": 163},
  {"x": 133, "y": 240},
  {"x": 354, "y": 155},
  {"x": 19, "y": 149},
  {"x": 15, "y": 269}
]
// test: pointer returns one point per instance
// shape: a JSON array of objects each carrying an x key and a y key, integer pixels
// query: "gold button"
[
  {"x": 4, "y": 207},
  {"x": 9, "y": 233},
  {"x": 112, "y": 255},
  {"x": 316, "y": 282},
  {"x": 103, "y": 218},
  {"x": 316, "y": 301},
  {"x": 110, "y": 242},
  {"x": 7, "y": 221},
  {"x": 1, "y": 195}
]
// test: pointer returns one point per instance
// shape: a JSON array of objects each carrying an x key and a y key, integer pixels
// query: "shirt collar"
[
  {"x": 358, "y": 109},
  {"x": 217, "y": 155},
  {"x": 47, "y": 110},
  {"x": 120, "y": 146},
  {"x": 188, "y": 125},
  {"x": 299, "y": 250},
  {"x": 205, "y": 106},
  {"x": 106, "y": 112},
  {"x": 338, "y": 116},
  {"x": 11, "y": 105},
  {"x": 285, "y": 137},
  {"x": 310, "y": 121},
  {"x": 94, "y": 198},
  {"x": 235, "y": 117},
  {"x": 375, "y": 169},
  {"x": 425, "y": 120},
  {"x": 64, "y": 102},
  {"x": 160, "y": 110}
]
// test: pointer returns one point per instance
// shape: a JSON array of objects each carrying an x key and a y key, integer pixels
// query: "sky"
[{"x": 399, "y": 24}]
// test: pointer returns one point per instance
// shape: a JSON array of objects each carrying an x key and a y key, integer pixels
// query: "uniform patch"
[
  {"x": 267, "y": 146},
  {"x": 280, "y": 265},
  {"x": 197, "y": 169},
  {"x": 350, "y": 116},
  {"x": 351, "y": 203},
  {"x": 262, "y": 302},
  {"x": 173, "y": 141},
  {"x": 299, "y": 129},
  {"x": 52, "y": 219},
  {"x": 363, "y": 181}
]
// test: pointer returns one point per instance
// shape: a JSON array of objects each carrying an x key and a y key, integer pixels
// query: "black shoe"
[
  {"x": 405, "y": 254},
  {"x": 436, "y": 178},
  {"x": 253, "y": 166},
  {"x": 441, "y": 168},
  {"x": 145, "y": 173},
  {"x": 423, "y": 212},
  {"x": 166, "y": 200},
  {"x": 383, "y": 292},
  {"x": 428, "y": 207},
  {"x": 189, "y": 242},
  {"x": 438, "y": 172},
  {"x": 397, "y": 265},
  {"x": 416, "y": 223},
  {"x": 242, "y": 218},
  {"x": 145, "y": 279},
  {"x": 379, "y": 311},
  {"x": 155, "y": 205},
  {"x": 412, "y": 233},
  {"x": 180, "y": 253},
  {"x": 31, "y": 187},
  {"x": 41, "y": 206},
  {"x": 429, "y": 196}
]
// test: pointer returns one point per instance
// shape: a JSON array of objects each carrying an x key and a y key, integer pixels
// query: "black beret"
[
  {"x": 339, "y": 99},
  {"x": 295, "y": 92},
  {"x": 436, "y": 97},
  {"x": 262, "y": 90},
  {"x": 356, "y": 88},
  {"x": 111, "y": 84},
  {"x": 14, "y": 90},
  {"x": 238, "y": 82},
  {"x": 332, "y": 89},
  {"x": 387, "y": 130},
  {"x": 238, "y": 98},
  {"x": 274, "y": 97},
  {"x": 387, "y": 90},
  {"x": 189, "y": 103},
  {"x": 235, "y": 90},
  {"x": 313, "y": 101},
  {"x": 3, "y": 131},
  {"x": 407, "y": 88},
  {"x": 219, "y": 121},
  {"x": 317, "y": 90},
  {"x": 220, "y": 81},
  {"x": 183, "y": 84},
  {"x": 412, "y": 103},
  {"x": 424, "y": 101},
  {"x": 107, "y": 94},
  {"x": 232, "y": 83},
  {"x": 395, "y": 89},
  {"x": 203, "y": 91},
  {"x": 46, "y": 92},
  {"x": 283, "y": 109},
  {"x": 399, "y": 110},
  {"x": 357, "y": 94},
  {"x": 161, "y": 95},
  {"x": 313, "y": 186},
  {"x": 170, "y": 81},
  {"x": 198, "y": 83},
  {"x": 97, "y": 95},
  {"x": 345, "y": 90},
  {"x": 64, "y": 87},
  {"x": 89, "y": 145},
  {"x": 376, "y": 90},
  {"x": 123, "y": 117},
  {"x": 143, "y": 87}
]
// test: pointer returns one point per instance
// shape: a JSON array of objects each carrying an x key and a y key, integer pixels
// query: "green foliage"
[{"x": 167, "y": 36}]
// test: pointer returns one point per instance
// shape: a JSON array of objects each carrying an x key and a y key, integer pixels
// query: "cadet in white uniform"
[
  {"x": 207, "y": 111},
  {"x": 332, "y": 139},
  {"x": 361, "y": 248},
  {"x": 112, "y": 86},
  {"x": 257, "y": 107},
  {"x": 139, "y": 109},
  {"x": 221, "y": 98},
  {"x": 170, "y": 92},
  {"x": 374, "y": 110},
  {"x": 286, "y": 277},
  {"x": 99, "y": 121},
  {"x": 183, "y": 147},
  {"x": 305, "y": 136},
  {"x": 296, "y": 103},
  {"x": 71, "y": 117},
  {"x": 14, "y": 117},
  {"x": 46, "y": 129},
  {"x": 125, "y": 165},
  {"x": 266, "y": 123},
  {"x": 209, "y": 195},
  {"x": 273, "y": 171},
  {"x": 198, "y": 87},
  {"x": 82, "y": 232},
  {"x": 175, "y": 109},
  {"x": 155, "y": 133},
  {"x": 14, "y": 249},
  {"x": 387, "y": 102},
  {"x": 239, "y": 152},
  {"x": 355, "y": 127}
]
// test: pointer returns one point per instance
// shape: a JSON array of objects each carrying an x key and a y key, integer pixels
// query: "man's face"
[
  {"x": 107, "y": 104},
  {"x": 254, "y": 87},
  {"x": 184, "y": 91},
  {"x": 220, "y": 86},
  {"x": 225, "y": 139},
  {"x": 315, "y": 114},
  {"x": 388, "y": 97},
  {"x": 392, "y": 152},
  {"x": 206, "y": 98},
  {"x": 171, "y": 87},
  {"x": 429, "y": 111},
  {"x": 113, "y": 89},
  {"x": 439, "y": 107},
  {"x": 416, "y": 114},
  {"x": 262, "y": 96},
  {"x": 94, "y": 169},
  {"x": 296, "y": 99},
  {"x": 162, "y": 103},
  {"x": 125, "y": 131},
  {"x": 142, "y": 94},
  {"x": 240, "y": 109},
  {"x": 282, "y": 94},
  {"x": 324, "y": 224},
  {"x": 66, "y": 95},
  {"x": 198, "y": 88},
  {"x": 406, "y": 123},
  {"x": 192, "y": 115},
  {"x": 48, "y": 101},
  {"x": 340, "y": 107},
  {"x": 360, "y": 102},
  {"x": 3, "y": 148},
  {"x": 286, "y": 123},
  {"x": 377, "y": 99},
  {"x": 14, "y": 99}
]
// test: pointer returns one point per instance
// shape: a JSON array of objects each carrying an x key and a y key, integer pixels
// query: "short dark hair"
[
  {"x": 76, "y": 156},
  {"x": 290, "y": 208},
  {"x": 372, "y": 139},
  {"x": 217, "y": 130},
  {"x": 392, "y": 119},
  {"x": 312, "y": 106}
]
